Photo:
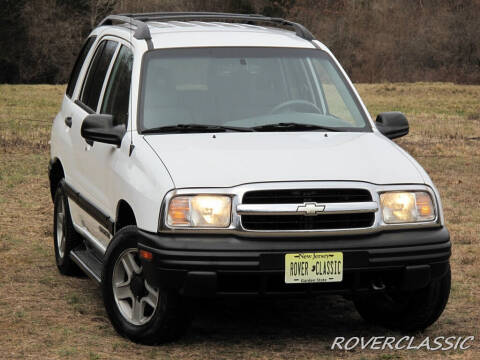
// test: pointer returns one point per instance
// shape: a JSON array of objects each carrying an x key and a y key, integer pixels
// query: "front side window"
[
  {"x": 247, "y": 88},
  {"x": 78, "y": 65},
  {"x": 92, "y": 87},
  {"x": 117, "y": 93}
]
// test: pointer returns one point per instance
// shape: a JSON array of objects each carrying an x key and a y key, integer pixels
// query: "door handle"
[{"x": 68, "y": 121}]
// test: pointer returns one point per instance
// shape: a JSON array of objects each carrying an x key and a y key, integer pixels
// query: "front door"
[{"x": 89, "y": 180}]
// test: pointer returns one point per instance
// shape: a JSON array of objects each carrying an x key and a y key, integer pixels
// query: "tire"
[
  {"x": 65, "y": 238},
  {"x": 408, "y": 311},
  {"x": 165, "y": 322}
]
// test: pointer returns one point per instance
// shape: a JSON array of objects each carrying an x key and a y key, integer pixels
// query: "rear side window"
[
  {"x": 92, "y": 87},
  {"x": 78, "y": 65},
  {"x": 117, "y": 93}
]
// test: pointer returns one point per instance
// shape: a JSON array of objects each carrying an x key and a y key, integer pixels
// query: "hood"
[{"x": 229, "y": 159}]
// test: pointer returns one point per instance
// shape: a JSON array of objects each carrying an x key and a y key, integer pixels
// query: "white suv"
[{"x": 212, "y": 154}]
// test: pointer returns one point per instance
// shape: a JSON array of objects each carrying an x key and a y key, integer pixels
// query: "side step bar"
[{"x": 88, "y": 262}]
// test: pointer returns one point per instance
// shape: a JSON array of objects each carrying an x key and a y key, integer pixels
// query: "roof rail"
[{"x": 143, "y": 31}]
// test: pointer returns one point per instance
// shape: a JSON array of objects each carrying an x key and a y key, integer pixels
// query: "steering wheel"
[{"x": 297, "y": 102}]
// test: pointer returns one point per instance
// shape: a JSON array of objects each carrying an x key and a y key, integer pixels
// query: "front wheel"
[
  {"x": 406, "y": 310},
  {"x": 138, "y": 310}
]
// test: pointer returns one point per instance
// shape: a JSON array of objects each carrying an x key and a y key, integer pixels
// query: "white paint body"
[
  {"x": 105, "y": 174},
  {"x": 229, "y": 159}
]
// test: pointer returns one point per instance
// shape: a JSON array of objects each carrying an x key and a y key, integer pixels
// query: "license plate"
[{"x": 313, "y": 267}]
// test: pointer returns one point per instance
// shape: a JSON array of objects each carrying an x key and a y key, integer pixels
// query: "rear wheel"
[
  {"x": 138, "y": 310},
  {"x": 65, "y": 238},
  {"x": 406, "y": 310}
]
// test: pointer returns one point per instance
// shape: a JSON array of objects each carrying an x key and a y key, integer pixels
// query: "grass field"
[{"x": 44, "y": 315}]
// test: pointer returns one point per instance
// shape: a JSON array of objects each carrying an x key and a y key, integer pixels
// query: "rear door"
[{"x": 64, "y": 127}]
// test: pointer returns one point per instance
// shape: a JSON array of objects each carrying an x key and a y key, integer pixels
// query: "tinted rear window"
[
  {"x": 78, "y": 65},
  {"x": 117, "y": 93},
  {"x": 96, "y": 73}
]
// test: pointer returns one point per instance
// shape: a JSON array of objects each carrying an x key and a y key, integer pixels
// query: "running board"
[{"x": 88, "y": 262}]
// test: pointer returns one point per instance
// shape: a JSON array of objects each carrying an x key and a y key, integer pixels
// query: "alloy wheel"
[
  {"x": 135, "y": 298},
  {"x": 61, "y": 241}
]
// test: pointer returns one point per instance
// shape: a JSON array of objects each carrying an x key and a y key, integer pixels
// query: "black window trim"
[{"x": 84, "y": 107}]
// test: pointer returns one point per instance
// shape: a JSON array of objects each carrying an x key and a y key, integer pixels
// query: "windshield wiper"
[
  {"x": 194, "y": 128},
  {"x": 290, "y": 126},
  {"x": 202, "y": 128}
]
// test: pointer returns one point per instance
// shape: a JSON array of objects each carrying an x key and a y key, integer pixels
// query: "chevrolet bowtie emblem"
[{"x": 310, "y": 209}]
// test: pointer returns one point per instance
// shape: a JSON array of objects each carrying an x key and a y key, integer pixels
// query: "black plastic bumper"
[{"x": 211, "y": 265}]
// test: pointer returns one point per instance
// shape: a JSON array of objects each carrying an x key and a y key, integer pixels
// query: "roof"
[
  {"x": 184, "y": 34},
  {"x": 189, "y": 30}
]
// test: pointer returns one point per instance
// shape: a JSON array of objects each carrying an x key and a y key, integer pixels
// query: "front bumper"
[{"x": 220, "y": 265}]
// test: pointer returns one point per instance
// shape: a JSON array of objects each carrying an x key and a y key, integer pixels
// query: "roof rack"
[{"x": 143, "y": 32}]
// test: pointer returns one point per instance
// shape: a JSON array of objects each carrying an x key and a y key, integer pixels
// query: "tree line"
[{"x": 375, "y": 40}]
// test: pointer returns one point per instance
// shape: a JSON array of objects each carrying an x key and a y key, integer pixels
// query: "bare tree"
[
  {"x": 100, "y": 8},
  {"x": 376, "y": 40}
]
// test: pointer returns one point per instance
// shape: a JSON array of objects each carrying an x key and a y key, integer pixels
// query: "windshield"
[{"x": 246, "y": 88}]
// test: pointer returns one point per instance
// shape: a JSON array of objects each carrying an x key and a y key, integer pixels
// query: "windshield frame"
[{"x": 153, "y": 53}]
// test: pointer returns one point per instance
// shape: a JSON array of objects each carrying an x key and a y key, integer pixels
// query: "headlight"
[
  {"x": 407, "y": 207},
  {"x": 200, "y": 211}
]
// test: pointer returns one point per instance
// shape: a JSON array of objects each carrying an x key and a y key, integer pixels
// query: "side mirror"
[
  {"x": 392, "y": 124},
  {"x": 100, "y": 128}
]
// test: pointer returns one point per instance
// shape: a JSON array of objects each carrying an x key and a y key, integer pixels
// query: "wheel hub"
[
  {"x": 136, "y": 300},
  {"x": 137, "y": 285}
]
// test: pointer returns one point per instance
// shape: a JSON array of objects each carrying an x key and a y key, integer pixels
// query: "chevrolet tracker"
[{"x": 215, "y": 155}]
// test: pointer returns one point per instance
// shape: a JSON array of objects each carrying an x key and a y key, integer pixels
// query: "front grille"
[
  {"x": 299, "y": 196},
  {"x": 322, "y": 221},
  {"x": 300, "y": 222}
]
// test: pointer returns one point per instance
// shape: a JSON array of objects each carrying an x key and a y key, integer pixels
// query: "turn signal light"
[
  {"x": 179, "y": 211},
  {"x": 146, "y": 255}
]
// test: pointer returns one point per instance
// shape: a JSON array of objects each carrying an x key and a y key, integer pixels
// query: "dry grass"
[{"x": 45, "y": 315}]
